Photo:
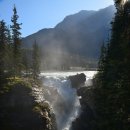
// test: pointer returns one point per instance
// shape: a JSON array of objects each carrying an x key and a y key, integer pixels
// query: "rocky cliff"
[
  {"x": 87, "y": 117},
  {"x": 19, "y": 109}
]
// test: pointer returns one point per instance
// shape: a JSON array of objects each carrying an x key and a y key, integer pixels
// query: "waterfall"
[{"x": 62, "y": 97}]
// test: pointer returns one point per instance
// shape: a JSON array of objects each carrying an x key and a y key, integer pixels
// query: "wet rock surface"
[{"x": 86, "y": 119}]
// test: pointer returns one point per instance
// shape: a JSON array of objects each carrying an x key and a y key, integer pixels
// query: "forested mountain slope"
[{"x": 79, "y": 35}]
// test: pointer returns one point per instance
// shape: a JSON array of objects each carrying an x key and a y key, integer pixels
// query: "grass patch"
[{"x": 14, "y": 82}]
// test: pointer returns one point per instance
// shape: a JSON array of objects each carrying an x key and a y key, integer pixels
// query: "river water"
[{"x": 62, "y": 97}]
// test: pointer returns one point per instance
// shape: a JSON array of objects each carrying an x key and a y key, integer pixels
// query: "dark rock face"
[
  {"x": 86, "y": 120},
  {"x": 77, "y": 80},
  {"x": 19, "y": 111}
]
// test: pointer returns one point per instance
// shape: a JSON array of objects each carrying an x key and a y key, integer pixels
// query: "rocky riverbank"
[
  {"x": 23, "y": 105},
  {"x": 20, "y": 108}
]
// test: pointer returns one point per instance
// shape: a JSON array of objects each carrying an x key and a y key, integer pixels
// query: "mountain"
[{"x": 78, "y": 36}]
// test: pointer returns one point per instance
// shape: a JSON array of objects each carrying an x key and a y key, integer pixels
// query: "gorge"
[{"x": 62, "y": 97}]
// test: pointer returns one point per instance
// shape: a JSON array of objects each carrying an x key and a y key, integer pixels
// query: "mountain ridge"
[{"x": 79, "y": 34}]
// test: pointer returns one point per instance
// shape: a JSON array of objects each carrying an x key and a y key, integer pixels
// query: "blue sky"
[{"x": 39, "y": 14}]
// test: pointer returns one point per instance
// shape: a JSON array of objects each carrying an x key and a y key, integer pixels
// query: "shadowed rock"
[
  {"x": 77, "y": 80},
  {"x": 20, "y": 111}
]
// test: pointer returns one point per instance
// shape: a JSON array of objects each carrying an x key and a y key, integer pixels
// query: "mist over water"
[{"x": 62, "y": 97}]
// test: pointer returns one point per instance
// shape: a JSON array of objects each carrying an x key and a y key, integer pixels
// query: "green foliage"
[
  {"x": 16, "y": 43},
  {"x": 16, "y": 99},
  {"x": 14, "y": 82},
  {"x": 112, "y": 83},
  {"x": 3, "y": 50},
  {"x": 14, "y": 60},
  {"x": 35, "y": 61},
  {"x": 10, "y": 55},
  {"x": 27, "y": 61}
]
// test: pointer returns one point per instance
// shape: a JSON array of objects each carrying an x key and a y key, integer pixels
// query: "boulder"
[{"x": 77, "y": 80}]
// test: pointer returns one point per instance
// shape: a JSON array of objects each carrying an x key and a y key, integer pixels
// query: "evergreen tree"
[
  {"x": 102, "y": 59},
  {"x": 3, "y": 44},
  {"x": 35, "y": 61},
  {"x": 16, "y": 43},
  {"x": 27, "y": 61},
  {"x": 112, "y": 83},
  {"x": 9, "y": 54}
]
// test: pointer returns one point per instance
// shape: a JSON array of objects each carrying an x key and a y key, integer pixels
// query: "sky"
[{"x": 38, "y": 14}]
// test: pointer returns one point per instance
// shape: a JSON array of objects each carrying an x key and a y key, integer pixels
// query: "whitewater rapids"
[{"x": 62, "y": 97}]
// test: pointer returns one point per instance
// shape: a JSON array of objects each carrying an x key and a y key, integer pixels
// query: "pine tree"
[
  {"x": 3, "y": 44},
  {"x": 9, "y": 54},
  {"x": 16, "y": 42},
  {"x": 26, "y": 61},
  {"x": 35, "y": 61},
  {"x": 112, "y": 90},
  {"x": 102, "y": 59}
]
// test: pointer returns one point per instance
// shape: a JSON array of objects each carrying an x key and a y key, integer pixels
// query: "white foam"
[{"x": 63, "y": 97}]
